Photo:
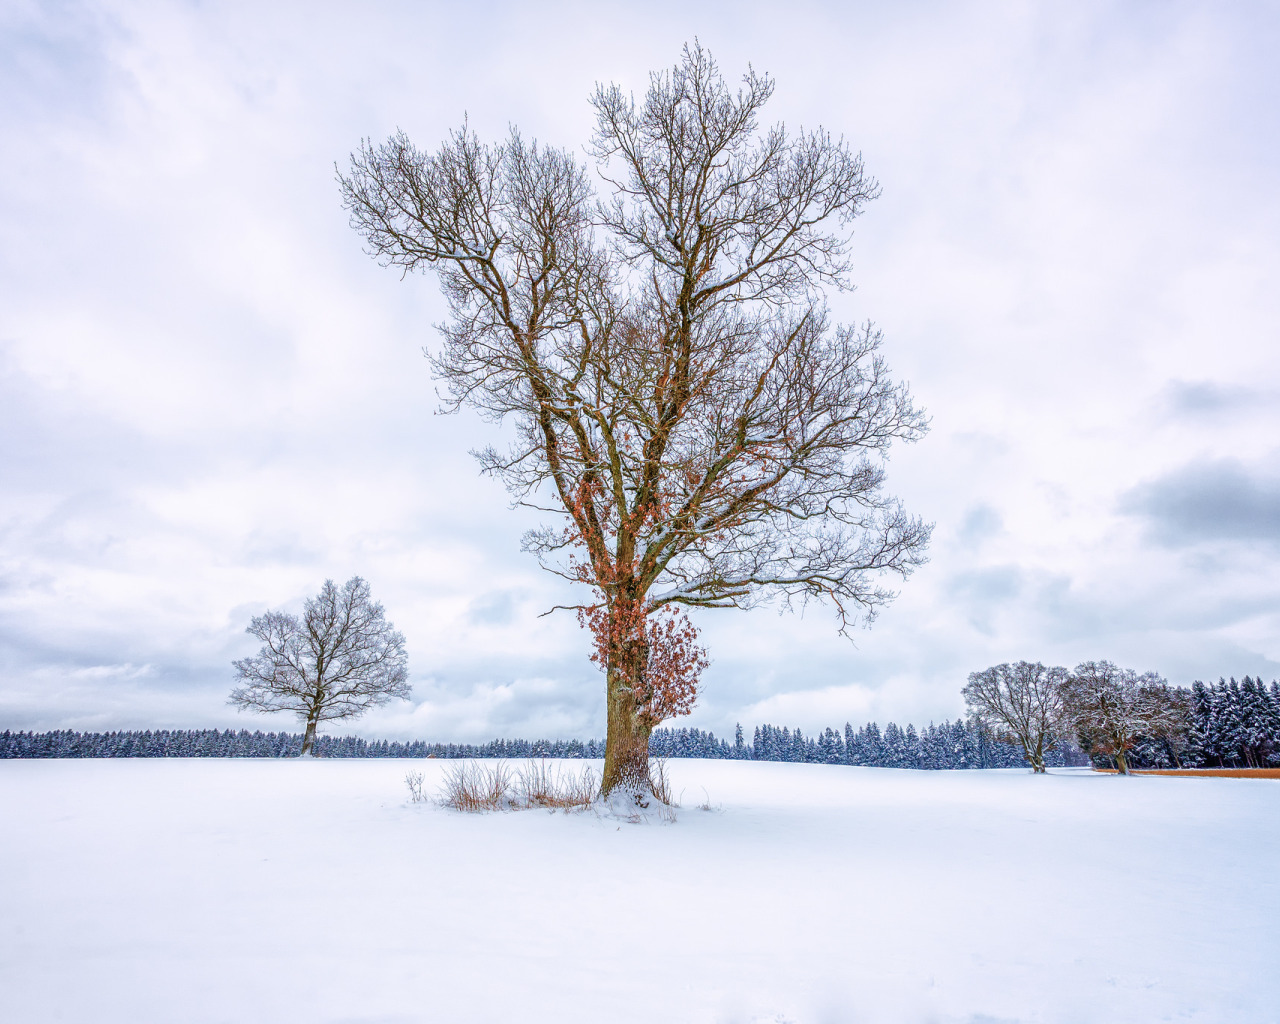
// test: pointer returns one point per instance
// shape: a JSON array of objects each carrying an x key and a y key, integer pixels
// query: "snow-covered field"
[{"x": 272, "y": 891}]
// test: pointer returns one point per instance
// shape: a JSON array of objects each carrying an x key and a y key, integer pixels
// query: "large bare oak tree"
[
  {"x": 338, "y": 661},
  {"x": 1020, "y": 703},
  {"x": 683, "y": 404}
]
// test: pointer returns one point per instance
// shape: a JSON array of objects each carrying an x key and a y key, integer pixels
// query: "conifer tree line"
[
  {"x": 951, "y": 745},
  {"x": 948, "y": 746},
  {"x": 1233, "y": 725},
  {"x": 1227, "y": 724},
  {"x": 242, "y": 743}
]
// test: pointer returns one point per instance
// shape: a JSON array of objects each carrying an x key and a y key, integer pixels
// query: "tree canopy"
[{"x": 702, "y": 432}]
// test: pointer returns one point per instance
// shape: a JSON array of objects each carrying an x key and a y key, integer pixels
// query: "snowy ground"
[{"x": 247, "y": 891}]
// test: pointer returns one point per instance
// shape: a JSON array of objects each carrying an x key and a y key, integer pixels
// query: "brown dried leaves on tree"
[{"x": 673, "y": 660}]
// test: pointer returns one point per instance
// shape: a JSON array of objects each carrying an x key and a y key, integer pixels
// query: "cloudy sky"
[{"x": 211, "y": 399}]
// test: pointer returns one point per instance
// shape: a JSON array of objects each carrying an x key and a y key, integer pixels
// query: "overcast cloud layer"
[{"x": 211, "y": 399}]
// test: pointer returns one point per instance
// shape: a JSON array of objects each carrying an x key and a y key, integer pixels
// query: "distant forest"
[
  {"x": 1232, "y": 725},
  {"x": 950, "y": 745}
]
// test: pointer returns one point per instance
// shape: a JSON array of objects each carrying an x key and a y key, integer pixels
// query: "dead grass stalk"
[
  {"x": 660, "y": 781},
  {"x": 414, "y": 781},
  {"x": 476, "y": 787},
  {"x": 472, "y": 786},
  {"x": 538, "y": 784}
]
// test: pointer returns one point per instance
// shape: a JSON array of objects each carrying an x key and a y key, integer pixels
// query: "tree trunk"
[
  {"x": 1035, "y": 756},
  {"x": 309, "y": 737},
  {"x": 626, "y": 748},
  {"x": 1122, "y": 765}
]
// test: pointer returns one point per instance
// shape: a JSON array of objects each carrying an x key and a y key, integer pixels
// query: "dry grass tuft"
[
  {"x": 476, "y": 787},
  {"x": 706, "y": 804},
  {"x": 539, "y": 785}
]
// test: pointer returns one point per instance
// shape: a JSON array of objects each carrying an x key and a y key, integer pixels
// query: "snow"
[{"x": 242, "y": 891}]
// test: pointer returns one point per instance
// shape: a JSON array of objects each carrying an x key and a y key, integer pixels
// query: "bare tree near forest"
[
  {"x": 1020, "y": 703},
  {"x": 682, "y": 402},
  {"x": 1110, "y": 707},
  {"x": 338, "y": 661}
]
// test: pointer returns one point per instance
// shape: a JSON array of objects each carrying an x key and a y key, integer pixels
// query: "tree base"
[{"x": 635, "y": 808}]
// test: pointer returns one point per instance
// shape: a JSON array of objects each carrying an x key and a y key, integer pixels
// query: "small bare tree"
[
  {"x": 1111, "y": 707},
  {"x": 681, "y": 400},
  {"x": 1020, "y": 703},
  {"x": 338, "y": 661}
]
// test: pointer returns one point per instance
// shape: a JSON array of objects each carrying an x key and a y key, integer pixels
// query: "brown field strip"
[{"x": 1212, "y": 773}]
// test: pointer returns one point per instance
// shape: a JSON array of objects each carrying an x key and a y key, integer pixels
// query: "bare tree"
[
  {"x": 1111, "y": 707},
  {"x": 681, "y": 401},
  {"x": 1020, "y": 703},
  {"x": 338, "y": 661}
]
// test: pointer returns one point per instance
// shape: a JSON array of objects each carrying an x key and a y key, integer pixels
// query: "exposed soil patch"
[{"x": 1216, "y": 773}]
